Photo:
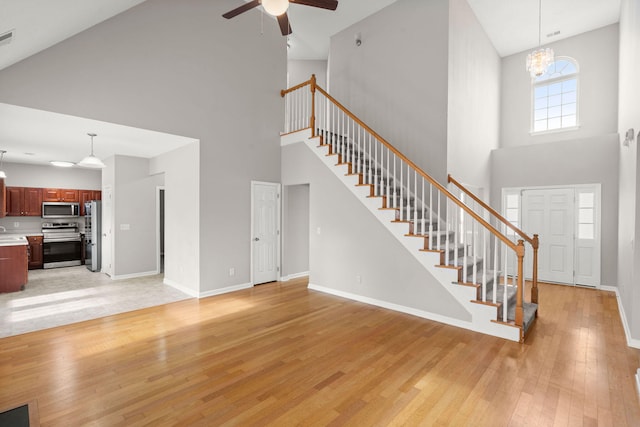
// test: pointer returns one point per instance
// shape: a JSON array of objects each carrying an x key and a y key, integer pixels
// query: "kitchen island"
[{"x": 14, "y": 261}]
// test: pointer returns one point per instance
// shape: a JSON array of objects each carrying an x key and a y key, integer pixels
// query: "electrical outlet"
[
  {"x": 359, "y": 279},
  {"x": 16, "y": 224},
  {"x": 232, "y": 271}
]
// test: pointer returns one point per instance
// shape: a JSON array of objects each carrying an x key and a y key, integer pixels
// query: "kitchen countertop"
[{"x": 13, "y": 240}]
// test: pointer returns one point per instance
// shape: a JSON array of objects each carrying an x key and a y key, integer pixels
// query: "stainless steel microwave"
[{"x": 60, "y": 210}]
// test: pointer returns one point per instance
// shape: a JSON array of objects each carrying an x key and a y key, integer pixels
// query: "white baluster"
[
  {"x": 464, "y": 245},
  {"x": 484, "y": 264},
  {"x": 431, "y": 236},
  {"x": 474, "y": 246},
  {"x": 423, "y": 210},
  {"x": 504, "y": 295},
  {"x": 446, "y": 239},
  {"x": 439, "y": 236},
  {"x": 495, "y": 268}
]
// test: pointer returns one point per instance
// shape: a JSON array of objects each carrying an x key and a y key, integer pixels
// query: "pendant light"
[
  {"x": 275, "y": 7},
  {"x": 2, "y": 174},
  {"x": 539, "y": 59},
  {"x": 91, "y": 161}
]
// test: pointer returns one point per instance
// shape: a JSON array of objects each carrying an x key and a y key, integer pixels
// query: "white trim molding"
[
  {"x": 294, "y": 276},
  {"x": 176, "y": 285},
  {"x": 225, "y": 290},
  {"x": 631, "y": 342}
]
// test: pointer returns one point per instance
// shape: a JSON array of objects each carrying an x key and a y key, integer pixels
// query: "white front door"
[
  {"x": 550, "y": 214},
  {"x": 265, "y": 220},
  {"x": 107, "y": 242}
]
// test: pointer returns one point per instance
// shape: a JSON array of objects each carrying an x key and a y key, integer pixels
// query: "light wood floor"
[{"x": 282, "y": 355}]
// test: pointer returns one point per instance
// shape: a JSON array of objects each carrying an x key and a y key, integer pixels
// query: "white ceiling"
[{"x": 512, "y": 26}]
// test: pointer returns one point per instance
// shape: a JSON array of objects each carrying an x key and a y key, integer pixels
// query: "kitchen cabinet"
[
  {"x": 24, "y": 201},
  {"x": 13, "y": 268},
  {"x": 35, "y": 252},
  {"x": 86, "y": 196},
  {"x": 3, "y": 199},
  {"x": 59, "y": 195}
]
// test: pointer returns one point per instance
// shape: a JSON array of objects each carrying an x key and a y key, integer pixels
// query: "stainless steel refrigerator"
[{"x": 92, "y": 234}]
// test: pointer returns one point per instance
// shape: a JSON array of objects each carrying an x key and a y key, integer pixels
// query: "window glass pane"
[
  {"x": 569, "y": 68},
  {"x": 554, "y": 123},
  {"x": 555, "y": 88},
  {"x": 541, "y": 91},
  {"x": 540, "y": 114},
  {"x": 512, "y": 201},
  {"x": 512, "y": 215},
  {"x": 539, "y": 125},
  {"x": 586, "y": 200},
  {"x": 585, "y": 231},
  {"x": 555, "y": 100},
  {"x": 555, "y": 112},
  {"x": 541, "y": 103},
  {"x": 569, "y": 97},
  {"x": 585, "y": 216},
  {"x": 568, "y": 109},
  {"x": 569, "y": 85},
  {"x": 569, "y": 121}
]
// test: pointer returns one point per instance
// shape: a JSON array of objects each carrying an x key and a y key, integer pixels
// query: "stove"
[{"x": 62, "y": 245}]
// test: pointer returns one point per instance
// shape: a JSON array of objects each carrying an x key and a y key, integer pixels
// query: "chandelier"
[{"x": 541, "y": 58}]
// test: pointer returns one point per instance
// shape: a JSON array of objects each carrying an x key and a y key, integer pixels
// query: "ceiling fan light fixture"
[
  {"x": 275, "y": 7},
  {"x": 91, "y": 161}
]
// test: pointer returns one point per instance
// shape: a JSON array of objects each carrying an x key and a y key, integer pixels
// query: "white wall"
[
  {"x": 300, "y": 70},
  {"x": 474, "y": 98},
  {"x": 629, "y": 179},
  {"x": 584, "y": 161},
  {"x": 295, "y": 217},
  {"x": 27, "y": 175},
  {"x": 179, "y": 68},
  {"x": 352, "y": 242},
  {"x": 597, "y": 55},
  {"x": 396, "y": 81}
]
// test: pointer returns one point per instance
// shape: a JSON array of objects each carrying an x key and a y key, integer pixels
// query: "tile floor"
[{"x": 61, "y": 296}]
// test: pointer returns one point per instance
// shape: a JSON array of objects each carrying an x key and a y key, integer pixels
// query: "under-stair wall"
[{"x": 347, "y": 242}]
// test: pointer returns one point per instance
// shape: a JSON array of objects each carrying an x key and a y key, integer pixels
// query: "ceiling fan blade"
[
  {"x": 285, "y": 26},
  {"x": 237, "y": 11},
  {"x": 323, "y": 4}
]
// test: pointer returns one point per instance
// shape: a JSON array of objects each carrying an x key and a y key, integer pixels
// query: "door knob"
[{"x": 255, "y": 239}]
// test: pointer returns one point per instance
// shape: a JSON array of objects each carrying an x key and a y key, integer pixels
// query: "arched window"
[{"x": 555, "y": 97}]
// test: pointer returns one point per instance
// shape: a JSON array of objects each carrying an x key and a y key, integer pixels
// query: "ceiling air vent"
[{"x": 5, "y": 38}]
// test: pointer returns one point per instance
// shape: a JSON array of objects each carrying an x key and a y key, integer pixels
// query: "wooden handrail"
[
  {"x": 492, "y": 211},
  {"x": 426, "y": 176},
  {"x": 283, "y": 92}
]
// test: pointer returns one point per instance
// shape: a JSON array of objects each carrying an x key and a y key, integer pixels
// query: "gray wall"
[
  {"x": 583, "y": 161},
  {"x": 27, "y": 175},
  {"x": 182, "y": 226},
  {"x": 300, "y": 70},
  {"x": 135, "y": 227},
  {"x": 352, "y": 242},
  {"x": 629, "y": 179},
  {"x": 295, "y": 217},
  {"x": 397, "y": 80},
  {"x": 597, "y": 55},
  {"x": 178, "y": 67},
  {"x": 474, "y": 98}
]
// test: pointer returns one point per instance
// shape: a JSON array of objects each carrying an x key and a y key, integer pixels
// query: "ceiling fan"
[{"x": 278, "y": 8}]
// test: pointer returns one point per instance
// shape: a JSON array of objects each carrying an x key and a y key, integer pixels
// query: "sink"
[{"x": 12, "y": 240}]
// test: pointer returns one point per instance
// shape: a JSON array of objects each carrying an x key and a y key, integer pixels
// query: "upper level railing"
[
  {"x": 500, "y": 222},
  {"x": 465, "y": 240}
]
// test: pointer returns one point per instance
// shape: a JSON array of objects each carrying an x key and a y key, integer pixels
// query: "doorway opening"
[{"x": 160, "y": 230}]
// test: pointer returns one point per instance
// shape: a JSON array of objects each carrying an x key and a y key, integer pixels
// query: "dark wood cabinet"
[
  {"x": 59, "y": 195},
  {"x": 35, "y": 252},
  {"x": 13, "y": 268},
  {"x": 3, "y": 199},
  {"x": 86, "y": 196},
  {"x": 24, "y": 201}
]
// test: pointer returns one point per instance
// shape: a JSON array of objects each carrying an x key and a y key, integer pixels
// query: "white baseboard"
[
  {"x": 638, "y": 381},
  {"x": 631, "y": 342},
  {"x": 395, "y": 307},
  {"x": 294, "y": 276},
  {"x": 181, "y": 288},
  {"x": 134, "y": 275},
  {"x": 226, "y": 290}
]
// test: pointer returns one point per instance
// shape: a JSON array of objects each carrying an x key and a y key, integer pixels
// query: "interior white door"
[
  {"x": 265, "y": 226},
  {"x": 550, "y": 212}
]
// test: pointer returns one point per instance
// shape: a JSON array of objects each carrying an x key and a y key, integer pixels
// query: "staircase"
[{"x": 476, "y": 254}]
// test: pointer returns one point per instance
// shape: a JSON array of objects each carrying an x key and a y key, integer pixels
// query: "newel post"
[
  {"x": 534, "y": 286},
  {"x": 312, "y": 120},
  {"x": 519, "y": 302}
]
